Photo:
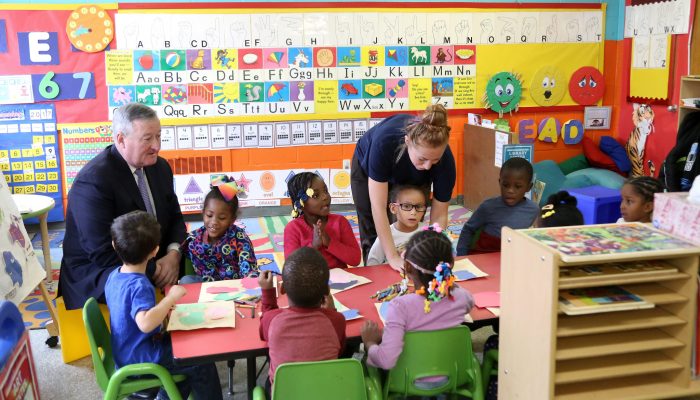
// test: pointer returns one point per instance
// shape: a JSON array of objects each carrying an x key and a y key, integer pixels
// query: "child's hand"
[
  {"x": 325, "y": 239},
  {"x": 266, "y": 280},
  {"x": 177, "y": 291},
  {"x": 371, "y": 333},
  {"x": 328, "y": 302},
  {"x": 317, "y": 240}
]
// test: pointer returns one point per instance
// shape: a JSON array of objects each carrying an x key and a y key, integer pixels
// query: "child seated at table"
[
  {"x": 510, "y": 209},
  {"x": 134, "y": 316},
  {"x": 310, "y": 329},
  {"x": 314, "y": 225},
  {"x": 428, "y": 260},
  {"x": 638, "y": 199},
  {"x": 408, "y": 204},
  {"x": 220, "y": 249}
]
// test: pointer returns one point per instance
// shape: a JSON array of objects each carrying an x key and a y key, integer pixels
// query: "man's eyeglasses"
[{"x": 409, "y": 207}]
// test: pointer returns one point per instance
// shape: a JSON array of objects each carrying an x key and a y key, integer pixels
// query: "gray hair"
[{"x": 124, "y": 116}]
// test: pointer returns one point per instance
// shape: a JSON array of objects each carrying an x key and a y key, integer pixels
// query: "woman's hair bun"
[{"x": 435, "y": 115}]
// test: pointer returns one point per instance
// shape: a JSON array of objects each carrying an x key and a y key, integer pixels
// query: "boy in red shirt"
[{"x": 310, "y": 329}]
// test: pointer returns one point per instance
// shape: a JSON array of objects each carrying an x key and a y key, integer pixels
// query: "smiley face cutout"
[
  {"x": 548, "y": 87},
  {"x": 587, "y": 86},
  {"x": 503, "y": 92}
]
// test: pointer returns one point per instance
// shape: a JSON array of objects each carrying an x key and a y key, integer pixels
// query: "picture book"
[
  {"x": 615, "y": 270},
  {"x": 341, "y": 279},
  {"x": 599, "y": 299},
  {"x": 464, "y": 270},
  {"x": 234, "y": 289},
  {"x": 608, "y": 239},
  {"x": 217, "y": 314}
]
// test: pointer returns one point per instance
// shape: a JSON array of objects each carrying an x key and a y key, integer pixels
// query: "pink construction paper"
[
  {"x": 250, "y": 283},
  {"x": 221, "y": 289},
  {"x": 218, "y": 312},
  {"x": 487, "y": 299}
]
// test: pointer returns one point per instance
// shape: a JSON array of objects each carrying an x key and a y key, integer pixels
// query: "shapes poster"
[
  {"x": 20, "y": 271},
  {"x": 218, "y": 314}
]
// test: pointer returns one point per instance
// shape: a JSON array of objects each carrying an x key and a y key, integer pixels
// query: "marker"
[{"x": 240, "y": 314}]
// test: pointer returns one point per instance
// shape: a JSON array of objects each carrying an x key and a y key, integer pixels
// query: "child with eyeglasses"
[{"x": 408, "y": 205}]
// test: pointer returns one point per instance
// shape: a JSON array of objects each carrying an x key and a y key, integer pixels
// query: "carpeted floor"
[{"x": 266, "y": 234}]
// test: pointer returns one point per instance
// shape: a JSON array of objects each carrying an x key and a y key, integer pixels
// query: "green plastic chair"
[
  {"x": 120, "y": 384},
  {"x": 489, "y": 366},
  {"x": 321, "y": 380},
  {"x": 446, "y": 352}
]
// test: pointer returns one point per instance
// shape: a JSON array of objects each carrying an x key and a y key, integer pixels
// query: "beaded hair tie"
[
  {"x": 298, "y": 205},
  {"x": 439, "y": 287}
]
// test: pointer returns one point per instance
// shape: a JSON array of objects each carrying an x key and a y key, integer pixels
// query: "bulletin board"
[{"x": 281, "y": 75}]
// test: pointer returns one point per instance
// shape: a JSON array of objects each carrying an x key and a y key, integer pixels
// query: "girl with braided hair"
[
  {"x": 638, "y": 198},
  {"x": 314, "y": 225},
  {"x": 438, "y": 302}
]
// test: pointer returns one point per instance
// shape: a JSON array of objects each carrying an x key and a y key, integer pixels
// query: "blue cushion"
[
  {"x": 614, "y": 149},
  {"x": 548, "y": 172},
  {"x": 576, "y": 181},
  {"x": 601, "y": 177}
]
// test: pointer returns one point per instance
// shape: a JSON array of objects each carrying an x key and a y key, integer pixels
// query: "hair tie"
[
  {"x": 298, "y": 205},
  {"x": 227, "y": 186},
  {"x": 434, "y": 227},
  {"x": 548, "y": 214},
  {"x": 440, "y": 286}
]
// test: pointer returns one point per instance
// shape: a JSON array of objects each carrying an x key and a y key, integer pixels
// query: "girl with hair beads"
[
  {"x": 220, "y": 249},
  {"x": 638, "y": 198},
  {"x": 402, "y": 149},
  {"x": 428, "y": 262},
  {"x": 560, "y": 210},
  {"x": 314, "y": 225}
]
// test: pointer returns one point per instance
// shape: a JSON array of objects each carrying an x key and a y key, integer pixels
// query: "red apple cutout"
[{"x": 146, "y": 61}]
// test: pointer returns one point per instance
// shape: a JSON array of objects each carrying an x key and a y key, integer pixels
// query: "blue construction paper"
[{"x": 38, "y": 48}]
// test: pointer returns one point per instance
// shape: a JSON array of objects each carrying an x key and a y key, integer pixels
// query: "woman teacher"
[{"x": 402, "y": 149}]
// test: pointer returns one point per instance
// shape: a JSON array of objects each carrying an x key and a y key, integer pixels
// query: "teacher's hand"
[
  {"x": 396, "y": 262},
  {"x": 167, "y": 269}
]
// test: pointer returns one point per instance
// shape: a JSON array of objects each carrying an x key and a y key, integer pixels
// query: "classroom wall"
[{"x": 616, "y": 70}]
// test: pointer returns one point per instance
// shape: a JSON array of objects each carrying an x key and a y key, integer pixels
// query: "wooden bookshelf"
[{"x": 630, "y": 354}]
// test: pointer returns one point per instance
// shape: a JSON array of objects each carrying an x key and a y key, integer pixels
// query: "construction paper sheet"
[
  {"x": 341, "y": 279},
  {"x": 465, "y": 270},
  {"x": 235, "y": 289},
  {"x": 217, "y": 314},
  {"x": 487, "y": 299},
  {"x": 495, "y": 310},
  {"x": 348, "y": 313},
  {"x": 270, "y": 261}
]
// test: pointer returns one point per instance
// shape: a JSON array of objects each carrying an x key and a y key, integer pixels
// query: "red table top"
[{"x": 219, "y": 344}]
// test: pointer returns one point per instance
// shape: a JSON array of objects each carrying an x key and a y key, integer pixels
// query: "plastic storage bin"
[
  {"x": 598, "y": 204},
  {"x": 17, "y": 373}
]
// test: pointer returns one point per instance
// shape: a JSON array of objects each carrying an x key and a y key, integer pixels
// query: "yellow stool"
[{"x": 71, "y": 329}]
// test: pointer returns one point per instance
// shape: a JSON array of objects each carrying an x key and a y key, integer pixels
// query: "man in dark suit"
[{"x": 126, "y": 176}]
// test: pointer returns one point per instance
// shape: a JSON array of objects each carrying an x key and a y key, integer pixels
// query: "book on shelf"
[
  {"x": 599, "y": 299},
  {"x": 615, "y": 270}
]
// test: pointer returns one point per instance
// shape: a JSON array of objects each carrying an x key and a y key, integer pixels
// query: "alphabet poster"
[
  {"x": 20, "y": 271},
  {"x": 210, "y": 65}
]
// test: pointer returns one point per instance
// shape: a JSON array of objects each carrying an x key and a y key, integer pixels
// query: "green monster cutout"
[{"x": 503, "y": 92}]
